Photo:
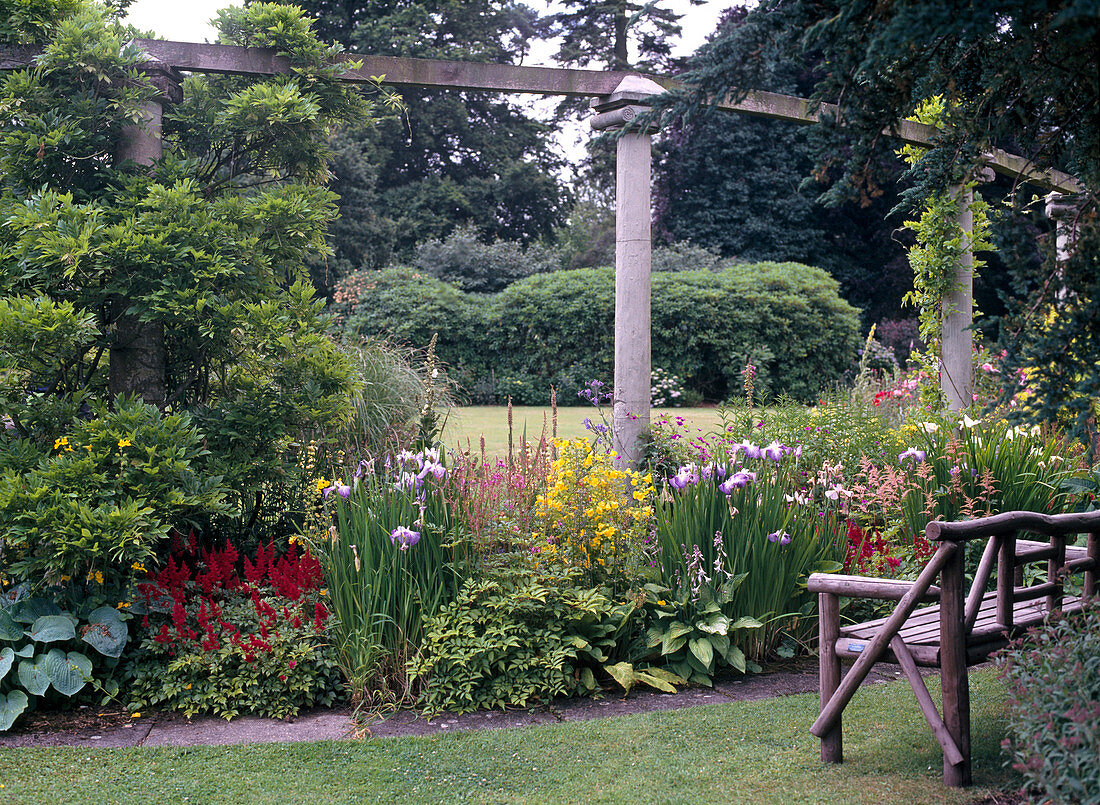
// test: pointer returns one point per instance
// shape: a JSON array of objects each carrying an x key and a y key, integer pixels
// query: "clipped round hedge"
[{"x": 786, "y": 318}]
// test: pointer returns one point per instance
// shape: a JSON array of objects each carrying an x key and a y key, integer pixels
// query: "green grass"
[
  {"x": 758, "y": 752},
  {"x": 472, "y": 422}
]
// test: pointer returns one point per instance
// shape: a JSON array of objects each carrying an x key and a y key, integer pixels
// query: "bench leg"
[
  {"x": 953, "y": 677},
  {"x": 832, "y": 750}
]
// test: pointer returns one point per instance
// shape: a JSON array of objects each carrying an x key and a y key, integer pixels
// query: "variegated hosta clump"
[{"x": 594, "y": 516}]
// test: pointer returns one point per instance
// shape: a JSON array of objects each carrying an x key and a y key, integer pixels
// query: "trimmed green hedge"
[{"x": 558, "y": 327}]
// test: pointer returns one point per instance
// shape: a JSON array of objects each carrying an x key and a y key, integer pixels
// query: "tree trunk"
[{"x": 137, "y": 363}]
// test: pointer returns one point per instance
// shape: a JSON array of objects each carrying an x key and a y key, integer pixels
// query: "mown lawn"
[
  {"x": 752, "y": 752},
  {"x": 468, "y": 424}
]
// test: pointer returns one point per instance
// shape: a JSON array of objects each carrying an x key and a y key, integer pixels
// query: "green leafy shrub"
[
  {"x": 463, "y": 260},
  {"x": 274, "y": 671},
  {"x": 48, "y": 654},
  {"x": 1053, "y": 676},
  {"x": 103, "y": 495},
  {"x": 788, "y": 318},
  {"x": 407, "y": 308},
  {"x": 516, "y": 637}
]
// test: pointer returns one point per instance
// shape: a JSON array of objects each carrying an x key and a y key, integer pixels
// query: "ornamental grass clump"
[
  {"x": 595, "y": 517},
  {"x": 750, "y": 511},
  {"x": 395, "y": 556}
]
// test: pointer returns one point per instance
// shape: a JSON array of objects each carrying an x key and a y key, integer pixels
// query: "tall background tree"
[
  {"x": 1020, "y": 76},
  {"x": 745, "y": 187},
  {"x": 452, "y": 159}
]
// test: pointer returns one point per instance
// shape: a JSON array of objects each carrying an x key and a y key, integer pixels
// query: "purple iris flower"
[
  {"x": 343, "y": 490},
  {"x": 773, "y": 537},
  {"x": 433, "y": 468},
  {"x": 913, "y": 454},
  {"x": 736, "y": 481},
  {"x": 688, "y": 474},
  {"x": 774, "y": 451},
  {"x": 408, "y": 482},
  {"x": 751, "y": 450},
  {"x": 785, "y": 539},
  {"x": 365, "y": 466},
  {"x": 404, "y": 538}
]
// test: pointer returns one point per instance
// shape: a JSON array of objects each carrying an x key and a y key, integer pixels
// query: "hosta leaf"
[
  {"x": 9, "y": 629},
  {"x": 736, "y": 658},
  {"x": 32, "y": 675},
  {"x": 31, "y": 609},
  {"x": 703, "y": 651},
  {"x": 68, "y": 672},
  {"x": 678, "y": 628},
  {"x": 7, "y": 659},
  {"x": 623, "y": 673},
  {"x": 655, "y": 681},
  {"x": 51, "y": 629},
  {"x": 10, "y": 707},
  {"x": 671, "y": 645},
  {"x": 666, "y": 675},
  {"x": 716, "y": 624},
  {"x": 106, "y": 632},
  {"x": 721, "y": 644},
  {"x": 746, "y": 623},
  {"x": 26, "y": 652}
]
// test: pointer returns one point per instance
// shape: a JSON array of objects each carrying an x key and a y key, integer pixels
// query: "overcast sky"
[{"x": 189, "y": 21}]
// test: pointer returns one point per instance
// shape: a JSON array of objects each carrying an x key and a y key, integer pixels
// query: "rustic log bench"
[{"x": 963, "y": 629}]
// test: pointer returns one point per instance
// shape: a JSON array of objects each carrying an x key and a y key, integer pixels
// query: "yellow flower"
[
  {"x": 294, "y": 539},
  {"x": 62, "y": 442},
  {"x": 324, "y": 591},
  {"x": 322, "y": 482},
  {"x": 135, "y": 715},
  {"x": 124, "y": 443},
  {"x": 139, "y": 567},
  {"x": 123, "y": 604}
]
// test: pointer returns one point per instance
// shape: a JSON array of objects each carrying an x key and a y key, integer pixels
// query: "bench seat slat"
[{"x": 922, "y": 634}]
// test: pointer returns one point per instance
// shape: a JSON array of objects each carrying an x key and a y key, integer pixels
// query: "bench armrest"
[{"x": 865, "y": 587}]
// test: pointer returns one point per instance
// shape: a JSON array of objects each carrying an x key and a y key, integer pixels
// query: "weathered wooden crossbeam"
[{"x": 402, "y": 72}]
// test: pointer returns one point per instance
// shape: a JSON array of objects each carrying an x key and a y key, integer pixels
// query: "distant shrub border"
[{"x": 557, "y": 327}]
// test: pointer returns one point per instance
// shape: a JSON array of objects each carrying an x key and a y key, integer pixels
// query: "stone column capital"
[
  {"x": 1063, "y": 206},
  {"x": 630, "y": 99},
  {"x": 166, "y": 79}
]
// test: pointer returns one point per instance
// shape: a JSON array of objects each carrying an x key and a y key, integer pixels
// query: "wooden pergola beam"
[{"x": 403, "y": 72}]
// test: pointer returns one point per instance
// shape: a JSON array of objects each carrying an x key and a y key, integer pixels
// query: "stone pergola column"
[
  {"x": 633, "y": 262},
  {"x": 1063, "y": 209},
  {"x": 138, "y": 360},
  {"x": 956, "y": 337}
]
